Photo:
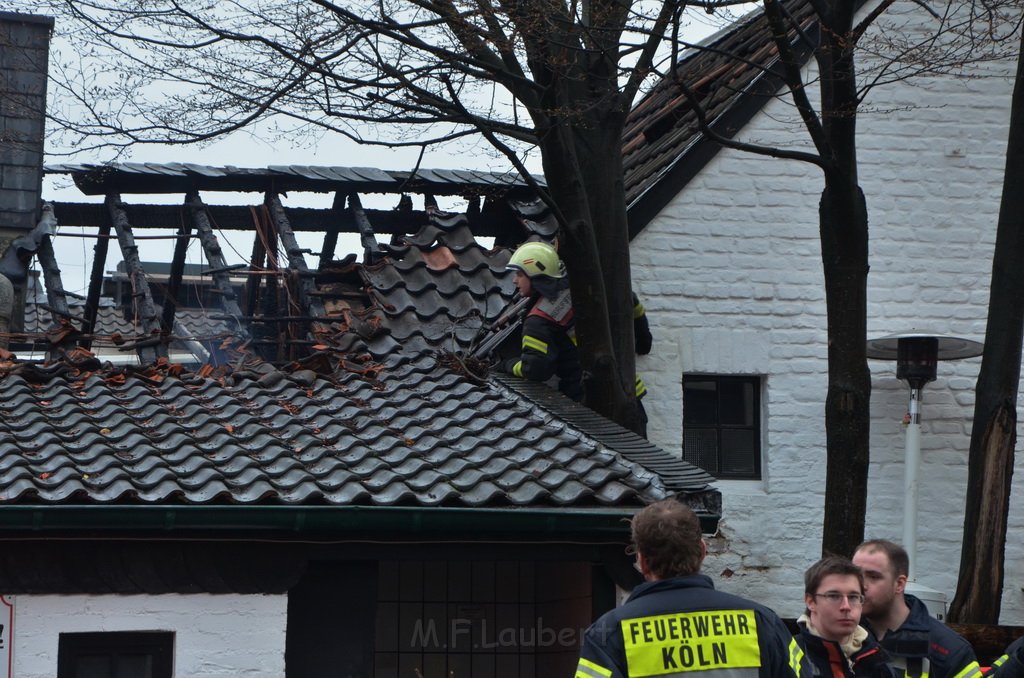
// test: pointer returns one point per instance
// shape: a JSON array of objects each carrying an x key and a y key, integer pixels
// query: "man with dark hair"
[
  {"x": 835, "y": 644},
  {"x": 920, "y": 645},
  {"x": 676, "y": 622}
]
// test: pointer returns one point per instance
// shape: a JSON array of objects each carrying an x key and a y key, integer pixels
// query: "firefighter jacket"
[
  {"x": 549, "y": 346},
  {"x": 924, "y": 647},
  {"x": 863, "y": 657},
  {"x": 1011, "y": 664},
  {"x": 684, "y": 627}
]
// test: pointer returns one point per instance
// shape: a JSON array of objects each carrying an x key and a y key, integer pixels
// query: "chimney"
[{"x": 24, "y": 50}]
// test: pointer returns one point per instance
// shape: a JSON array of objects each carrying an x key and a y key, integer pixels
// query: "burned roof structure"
[
  {"x": 731, "y": 76},
  {"x": 331, "y": 398}
]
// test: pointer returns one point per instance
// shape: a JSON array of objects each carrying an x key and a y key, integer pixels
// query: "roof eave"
[{"x": 355, "y": 522}]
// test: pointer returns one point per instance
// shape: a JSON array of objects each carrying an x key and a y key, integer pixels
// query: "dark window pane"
[
  {"x": 739, "y": 454},
  {"x": 736, "y": 399},
  {"x": 700, "y": 403},
  {"x": 93, "y": 667},
  {"x": 700, "y": 448},
  {"x": 135, "y": 666}
]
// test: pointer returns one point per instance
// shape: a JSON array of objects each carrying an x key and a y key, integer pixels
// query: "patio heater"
[{"x": 917, "y": 355}]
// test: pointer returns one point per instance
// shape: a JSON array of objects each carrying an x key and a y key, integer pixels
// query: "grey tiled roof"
[
  {"x": 383, "y": 411},
  {"x": 415, "y": 434}
]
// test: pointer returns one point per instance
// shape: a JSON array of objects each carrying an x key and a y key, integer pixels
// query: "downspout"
[{"x": 6, "y": 309}]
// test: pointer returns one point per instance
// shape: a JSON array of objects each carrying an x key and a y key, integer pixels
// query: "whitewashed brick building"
[{"x": 726, "y": 258}]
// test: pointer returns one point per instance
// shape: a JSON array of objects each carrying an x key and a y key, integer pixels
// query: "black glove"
[
  {"x": 507, "y": 364},
  {"x": 871, "y": 661}
]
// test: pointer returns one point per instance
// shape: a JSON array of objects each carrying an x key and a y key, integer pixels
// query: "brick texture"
[{"x": 730, "y": 273}]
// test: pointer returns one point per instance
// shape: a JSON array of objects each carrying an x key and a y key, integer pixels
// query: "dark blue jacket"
[
  {"x": 1011, "y": 664},
  {"x": 827, "y": 659},
  {"x": 923, "y": 646},
  {"x": 675, "y": 627}
]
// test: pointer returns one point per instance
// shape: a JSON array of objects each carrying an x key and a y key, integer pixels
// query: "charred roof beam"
[
  {"x": 56, "y": 297},
  {"x": 309, "y": 303},
  {"x": 153, "y": 345},
  {"x": 367, "y": 237},
  {"x": 219, "y": 269}
]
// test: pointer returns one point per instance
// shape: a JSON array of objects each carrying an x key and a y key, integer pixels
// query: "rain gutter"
[{"x": 327, "y": 521}]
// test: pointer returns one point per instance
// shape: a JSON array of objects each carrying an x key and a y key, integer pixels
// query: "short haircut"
[
  {"x": 828, "y": 566},
  {"x": 897, "y": 555},
  {"x": 668, "y": 535}
]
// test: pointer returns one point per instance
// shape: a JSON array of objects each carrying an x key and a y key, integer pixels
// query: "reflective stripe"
[
  {"x": 641, "y": 388},
  {"x": 517, "y": 369},
  {"x": 588, "y": 669},
  {"x": 972, "y": 670},
  {"x": 796, "y": 657},
  {"x": 638, "y": 310},
  {"x": 535, "y": 344},
  {"x": 999, "y": 662}
]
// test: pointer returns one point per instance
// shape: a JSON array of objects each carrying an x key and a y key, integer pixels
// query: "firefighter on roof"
[{"x": 549, "y": 333}]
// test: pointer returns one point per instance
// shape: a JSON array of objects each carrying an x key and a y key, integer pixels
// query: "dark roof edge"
[
  {"x": 698, "y": 154},
  {"x": 27, "y": 18},
  {"x": 344, "y": 522}
]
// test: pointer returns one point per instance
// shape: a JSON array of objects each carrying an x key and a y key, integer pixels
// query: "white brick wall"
[
  {"x": 730, "y": 273},
  {"x": 215, "y": 635}
]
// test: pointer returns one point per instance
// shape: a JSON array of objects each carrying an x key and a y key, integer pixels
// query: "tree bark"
[
  {"x": 994, "y": 432},
  {"x": 844, "y": 251}
]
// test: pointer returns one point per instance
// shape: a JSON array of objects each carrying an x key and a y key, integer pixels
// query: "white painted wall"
[
  {"x": 215, "y": 635},
  {"x": 730, "y": 273}
]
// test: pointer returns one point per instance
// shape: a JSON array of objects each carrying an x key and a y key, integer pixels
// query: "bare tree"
[
  {"x": 979, "y": 589},
  {"x": 962, "y": 35},
  {"x": 557, "y": 76}
]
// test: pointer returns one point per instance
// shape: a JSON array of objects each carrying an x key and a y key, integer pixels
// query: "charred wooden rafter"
[
  {"x": 309, "y": 303},
  {"x": 142, "y": 297},
  {"x": 219, "y": 270},
  {"x": 333, "y": 228},
  {"x": 57, "y": 301},
  {"x": 174, "y": 279},
  {"x": 92, "y": 300},
  {"x": 367, "y": 238}
]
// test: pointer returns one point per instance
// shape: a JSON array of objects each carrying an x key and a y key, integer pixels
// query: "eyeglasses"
[{"x": 836, "y": 598}]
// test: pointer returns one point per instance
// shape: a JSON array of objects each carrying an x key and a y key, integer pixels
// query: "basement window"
[
  {"x": 722, "y": 425},
  {"x": 118, "y": 654}
]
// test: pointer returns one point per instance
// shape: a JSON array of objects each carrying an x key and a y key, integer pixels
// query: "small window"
[
  {"x": 722, "y": 425},
  {"x": 120, "y": 654}
]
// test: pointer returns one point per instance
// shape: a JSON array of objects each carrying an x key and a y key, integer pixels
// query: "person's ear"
[{"x": 901, "y": 583}]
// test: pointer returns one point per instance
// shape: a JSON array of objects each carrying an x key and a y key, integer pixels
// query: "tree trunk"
[
  {"x": 582, "y": 252},
  {"x": 844, "y": 251},
  {"x": 994, "y": 432}
]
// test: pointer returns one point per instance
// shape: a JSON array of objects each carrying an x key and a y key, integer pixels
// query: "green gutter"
[{"x": 328, "y": 521}]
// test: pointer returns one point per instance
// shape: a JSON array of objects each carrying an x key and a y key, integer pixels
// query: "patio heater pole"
[
  {"x": 917, "y": 355},
  {"x": 912, "y": 461}
]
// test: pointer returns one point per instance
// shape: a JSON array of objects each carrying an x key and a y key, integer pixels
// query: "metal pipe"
[{"x": 912, "y": 461}]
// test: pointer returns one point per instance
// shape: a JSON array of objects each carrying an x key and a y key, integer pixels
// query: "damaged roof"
[
  {"x": 731, "y": 75},
  {"x": 349, "y": 383}
]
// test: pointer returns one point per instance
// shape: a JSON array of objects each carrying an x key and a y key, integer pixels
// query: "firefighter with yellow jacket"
[
  {"x": 676, "y": 623},
  {"x": 549, "y": 329}
]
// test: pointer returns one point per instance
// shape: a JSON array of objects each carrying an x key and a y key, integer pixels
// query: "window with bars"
[
  {"x": 722, "y": 424},
  {"x": 116, "y": 654}
]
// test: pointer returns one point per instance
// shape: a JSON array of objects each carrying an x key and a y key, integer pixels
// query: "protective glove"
[{"x": 872, "y": 661}]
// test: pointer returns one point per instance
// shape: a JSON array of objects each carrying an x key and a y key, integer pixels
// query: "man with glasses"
[
  {"x": 676, "y": 622},
  {"x": 920, "y": 645},
  {"x": 830, "y": 634}
]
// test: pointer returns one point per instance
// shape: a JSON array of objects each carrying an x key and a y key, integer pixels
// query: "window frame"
[
  {"x": 158, "y": 644},
  {"x": 757, "y": 383}
]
